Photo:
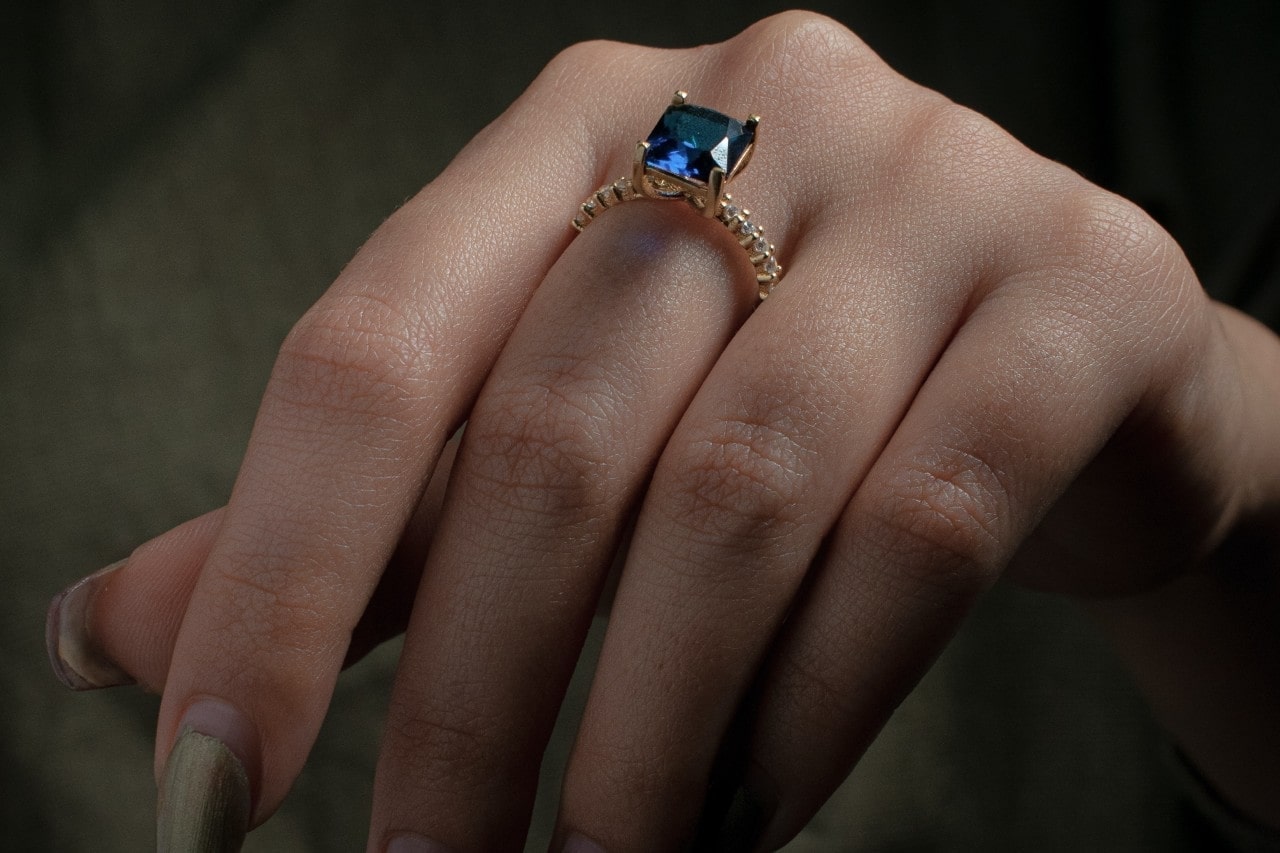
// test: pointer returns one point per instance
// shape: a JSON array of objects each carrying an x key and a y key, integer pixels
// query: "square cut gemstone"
[{"x": 689, "y": 141}]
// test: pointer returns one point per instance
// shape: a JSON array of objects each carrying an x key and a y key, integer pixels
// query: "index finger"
[{"x": 367, "y": 387}]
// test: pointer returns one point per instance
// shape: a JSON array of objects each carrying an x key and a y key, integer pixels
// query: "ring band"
[{"x": 692, "y": 153}]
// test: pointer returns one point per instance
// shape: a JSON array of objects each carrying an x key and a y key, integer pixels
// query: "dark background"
[{"x": 178, "y": 182}]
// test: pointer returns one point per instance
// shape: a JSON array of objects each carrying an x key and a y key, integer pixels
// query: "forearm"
[{"x": 1206, "y": 648}]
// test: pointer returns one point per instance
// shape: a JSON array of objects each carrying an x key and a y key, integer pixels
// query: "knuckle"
[
  {"x": 579, "y": 67},
  {"x": 817, "y": 61},
  {"x": 812, "y": 679},
  {"x": 630, "y": 769},
  {"x": 454, "y": 748},
  {"x": 578, "y": 58},
  {"x": 1119, "y": 252},
  {"x": 942, "y": 125},
  {"x": 944, "y": 518},
  {"x": 1119, "y": 282},
  {"x": 276, "y": 605},
  {"x": 1105, "y": 233},
  {"x": 947, "y": 151},
  {"x": 743, "y": 481},
  {"x": 544, "y": 448},
  {"x": 359, "y": 354},
  {"x": 807, "y": 41}
]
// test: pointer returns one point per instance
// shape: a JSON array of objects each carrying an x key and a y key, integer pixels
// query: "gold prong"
[
  {"x": 725, "y": 201},
  {"x": 638, "y": 182},
  {"x": 715, "y": 189},
  {"x": 679, "y": 98},
  {"x": 753, "y": 125}
]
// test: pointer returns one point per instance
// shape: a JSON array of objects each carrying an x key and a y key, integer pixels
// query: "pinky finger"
[
  {"x": 1001, "y": 428},
  {"x": 118, "y": 626}
]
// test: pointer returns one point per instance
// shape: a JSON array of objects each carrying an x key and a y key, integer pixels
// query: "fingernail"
[
  {"x": 745, "y": 822},
  {"x": 76, "y": 657},
  {"x": 205, "y": 799},
  {"x": 579, "y": 843},
  {"x": 415, "y": 844}
]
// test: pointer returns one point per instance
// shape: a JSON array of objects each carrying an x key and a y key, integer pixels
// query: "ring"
[{"x": 692, "y": 153}]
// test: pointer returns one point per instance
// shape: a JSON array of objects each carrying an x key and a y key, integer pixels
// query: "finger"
[
  {"x": 367, "y": 387},
  {"x": 778, "y": 438},
  {"x": 1037, "y": 380},
  {"x": 388, "y": 611},
  {"x": 562, "y": 438},
  {"x": 757, "y": 472},
  {"x": 746, "y": 489},
  {"x": 119, "y": 626}
]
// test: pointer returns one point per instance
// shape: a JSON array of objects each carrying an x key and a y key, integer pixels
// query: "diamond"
[
  {"x": 689, "y": 141},
  {"x": 747, "y": 228},
  {"x": 730, "y": 211},
  {"x": 771, "y": 266},
  {"x": 760, "y": 246}
]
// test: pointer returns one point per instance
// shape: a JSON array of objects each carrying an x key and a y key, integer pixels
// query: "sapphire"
[{"x": 689, "y": 141}]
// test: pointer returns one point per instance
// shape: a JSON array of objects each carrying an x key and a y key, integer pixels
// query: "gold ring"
[{"x": 692, "y": 153}]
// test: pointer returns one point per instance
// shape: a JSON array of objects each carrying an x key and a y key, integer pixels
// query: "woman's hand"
[{"x": 977, "y": 362}]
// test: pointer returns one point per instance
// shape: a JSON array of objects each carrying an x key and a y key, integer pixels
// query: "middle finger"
[{"x": 608, "y": 353}]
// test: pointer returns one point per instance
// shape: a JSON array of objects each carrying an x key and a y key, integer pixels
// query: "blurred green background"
[{"x": 179, "y": 181}]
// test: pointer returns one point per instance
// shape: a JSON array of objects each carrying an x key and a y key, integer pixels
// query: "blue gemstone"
[{"x": 688, "y": 142}]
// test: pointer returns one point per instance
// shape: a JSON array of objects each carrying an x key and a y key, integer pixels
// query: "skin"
[{"x": 978, "y": 364}]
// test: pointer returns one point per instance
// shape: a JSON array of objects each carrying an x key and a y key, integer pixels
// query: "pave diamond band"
[
  {"x": 691, "y": 154},
  {"x": 750, "y": 236}
]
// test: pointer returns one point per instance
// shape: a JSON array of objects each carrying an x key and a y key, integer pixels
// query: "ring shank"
[{"x": 736, "y": 219}]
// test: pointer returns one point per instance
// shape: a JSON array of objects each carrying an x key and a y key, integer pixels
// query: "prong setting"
[
  {"x": 685, "y": 137},
  {"x": 638, "y": 179},
  {"x": 715, "y": 189}
]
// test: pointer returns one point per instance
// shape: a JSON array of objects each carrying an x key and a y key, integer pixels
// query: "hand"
[{"x": 977, "y": 363}]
